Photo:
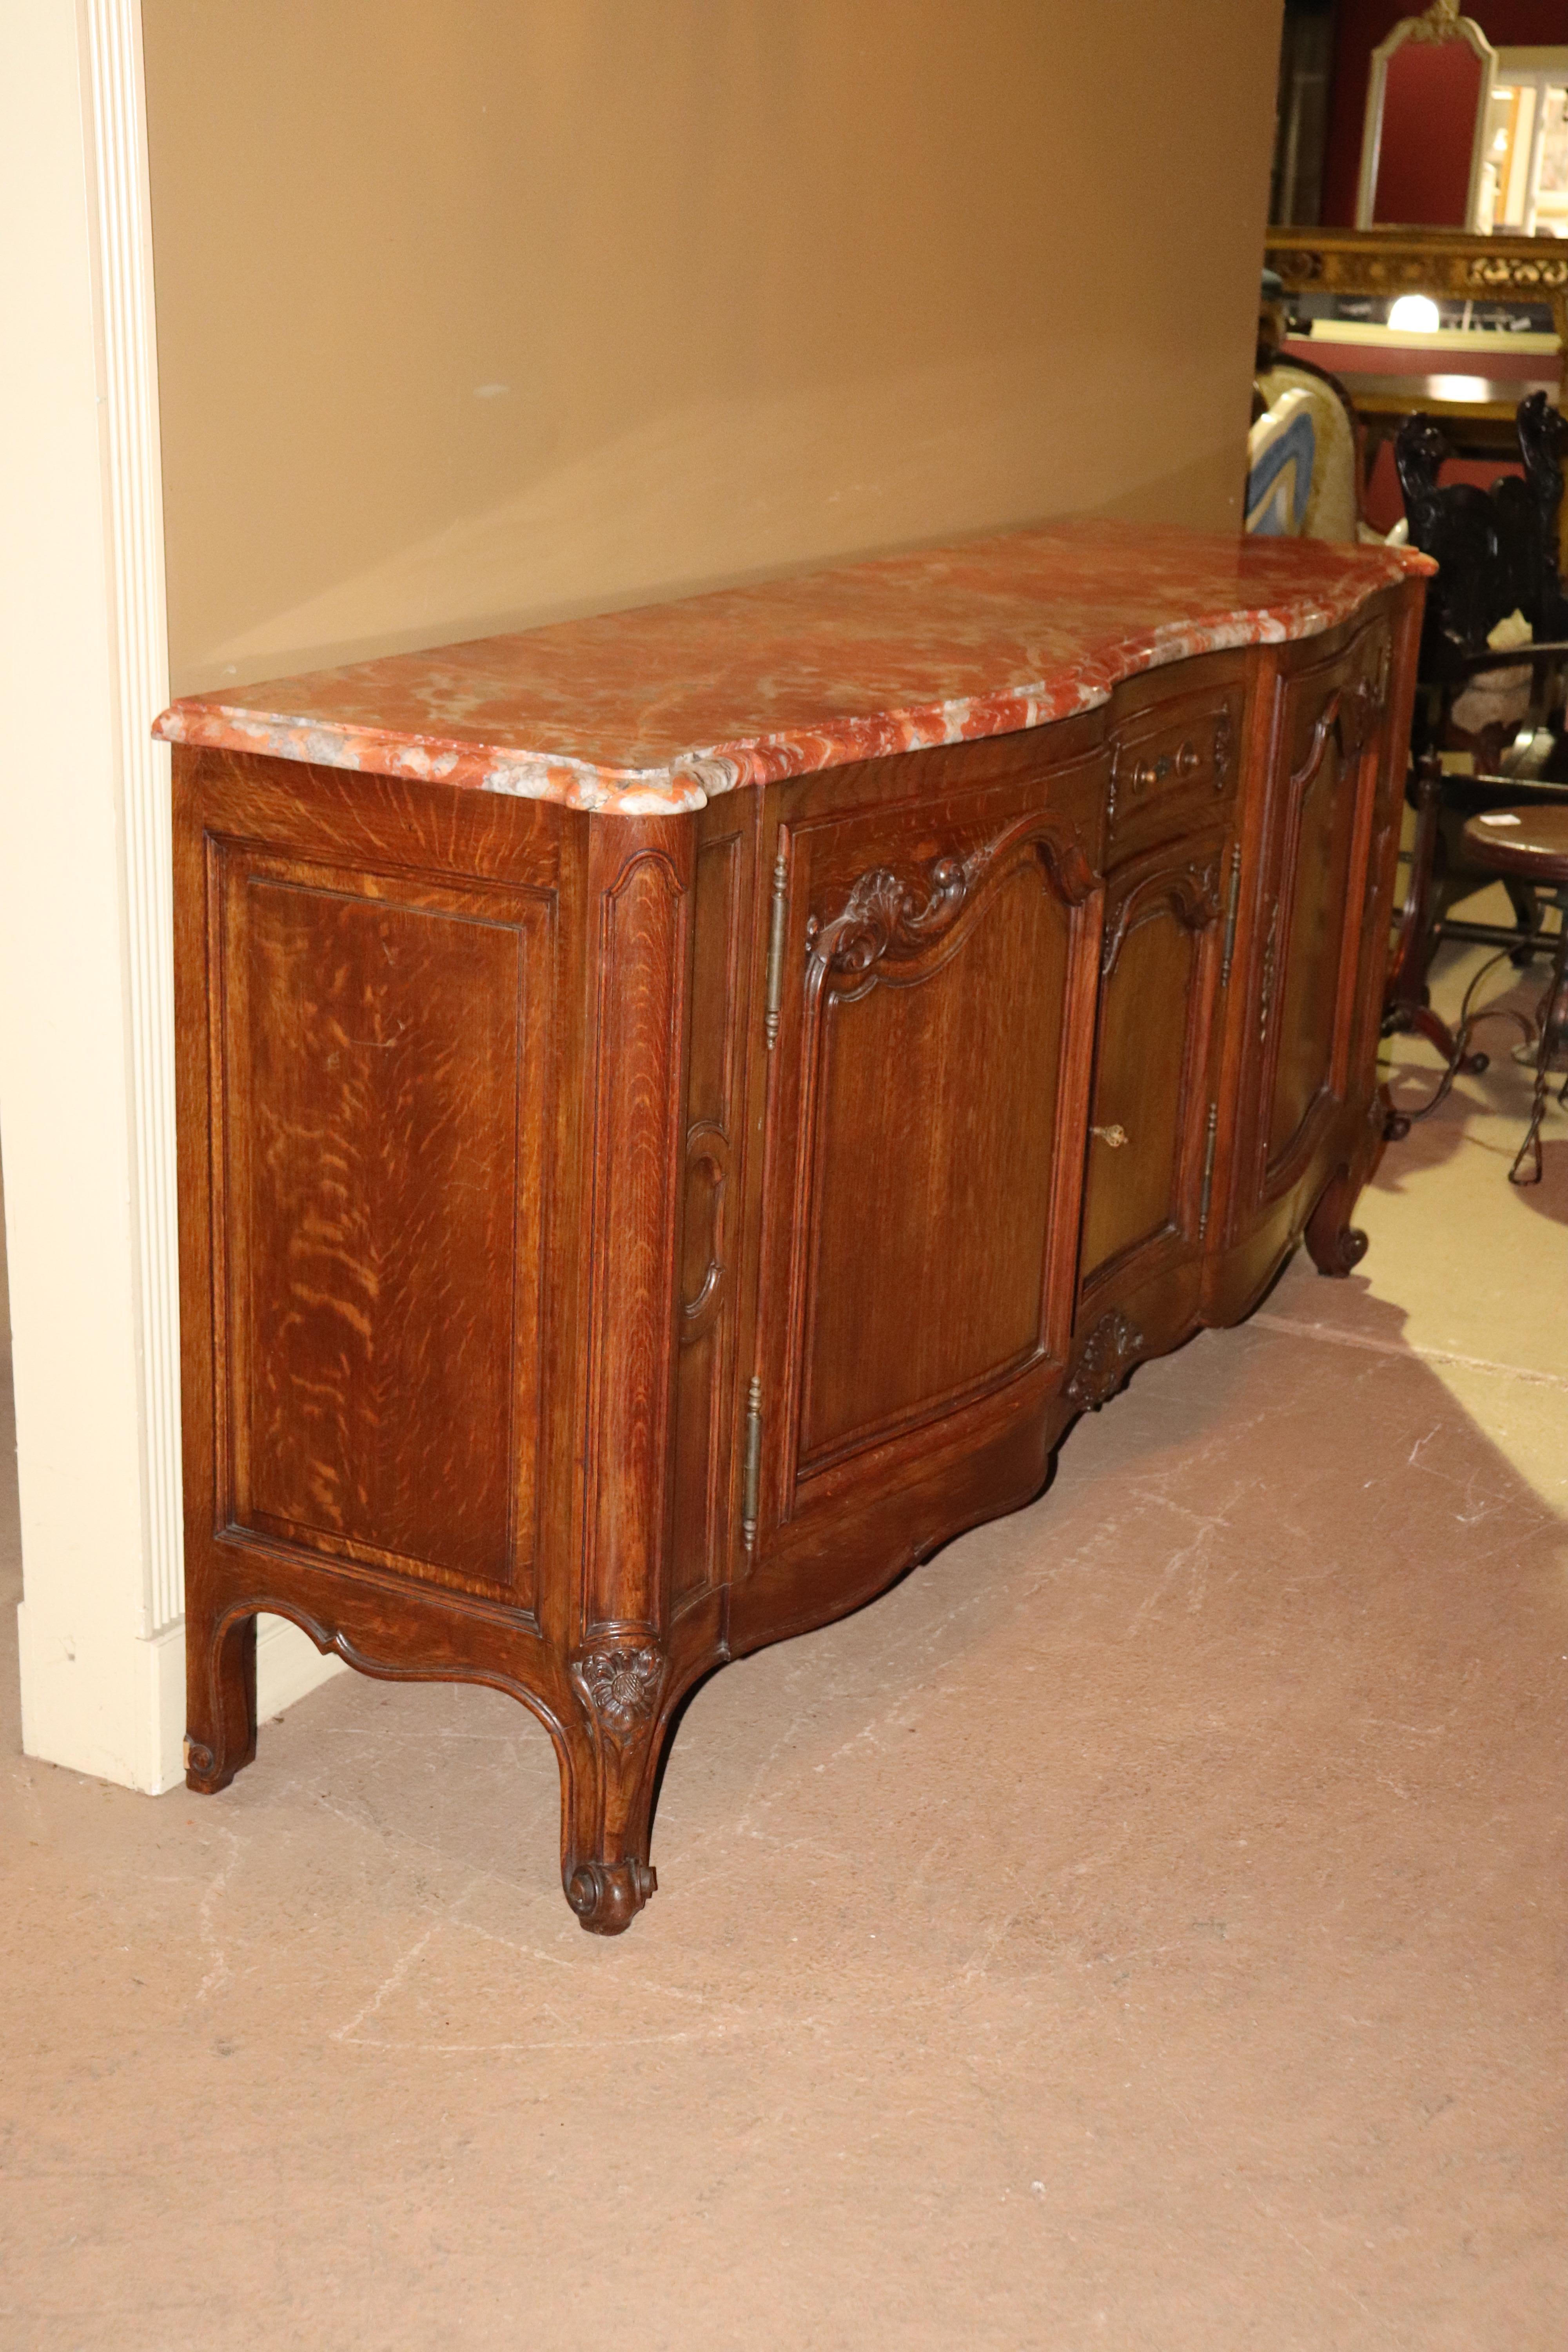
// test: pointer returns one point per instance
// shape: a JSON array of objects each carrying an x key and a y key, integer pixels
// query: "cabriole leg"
[
  {"x": 611, "y": 1760},
  {"x": 220, "y": 1702},
  {"x": 1333, "y": 1243}
]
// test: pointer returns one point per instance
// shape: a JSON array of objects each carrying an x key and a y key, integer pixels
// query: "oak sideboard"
[{"x": 680, "y": 1110}]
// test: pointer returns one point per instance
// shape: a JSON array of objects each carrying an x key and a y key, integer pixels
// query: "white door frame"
[{"x": 86, "y": 1126}]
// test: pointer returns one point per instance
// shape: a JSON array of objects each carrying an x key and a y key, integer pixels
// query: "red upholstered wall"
[{"x": 1361, "y": 26}]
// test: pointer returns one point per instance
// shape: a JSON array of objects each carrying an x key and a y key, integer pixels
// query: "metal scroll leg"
[{"x": 1553, "y": 1027}]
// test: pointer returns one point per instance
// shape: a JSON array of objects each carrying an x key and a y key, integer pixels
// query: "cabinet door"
[
  {"x": 1329, "y": 742},
  {"x": 1154, "y": 1121},
  {"x": 928, "y": 1088}
]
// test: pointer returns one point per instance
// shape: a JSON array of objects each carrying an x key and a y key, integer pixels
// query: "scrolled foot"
[
  {"x": 1395, "y": 1127},
  {"x": 204, "y": 1774},
  {"x": 1339, "y": 1252},
  {"x": 608, "y": 1896},
  {"x": 220, "y": 1699}
]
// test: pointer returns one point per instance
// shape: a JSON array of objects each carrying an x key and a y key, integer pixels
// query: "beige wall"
[{"x": 477, "y": 313}]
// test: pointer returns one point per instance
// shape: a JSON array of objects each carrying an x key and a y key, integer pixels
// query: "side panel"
[
  {"x": 380, "y": 1072},
  {"x": 380, "y": 1207}
]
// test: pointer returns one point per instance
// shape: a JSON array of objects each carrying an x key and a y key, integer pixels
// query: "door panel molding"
[{"x": 899, "y": 924}]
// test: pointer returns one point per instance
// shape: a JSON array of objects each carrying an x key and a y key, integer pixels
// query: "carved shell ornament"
[{"x": 622, "y": 1686}]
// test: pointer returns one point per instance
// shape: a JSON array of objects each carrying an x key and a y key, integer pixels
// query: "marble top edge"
[{"x": 579, "y": 687}]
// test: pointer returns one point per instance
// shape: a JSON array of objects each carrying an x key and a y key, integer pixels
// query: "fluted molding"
[{"x": 134, "y": 522}]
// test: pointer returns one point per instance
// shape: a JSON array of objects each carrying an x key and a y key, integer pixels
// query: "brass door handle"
[{"x": 1113, "y": 1138}]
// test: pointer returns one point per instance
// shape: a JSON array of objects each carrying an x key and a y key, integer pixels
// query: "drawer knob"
[
  {"x": 1149, "y": 772},
  {"x": 1113, "y": 1138}
]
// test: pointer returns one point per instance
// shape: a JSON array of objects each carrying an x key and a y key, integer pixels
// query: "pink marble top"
[{"x": 657, "y": 710}]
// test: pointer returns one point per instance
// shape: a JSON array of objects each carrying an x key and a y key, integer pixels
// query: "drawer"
[{"x": 1171, "y": 761}]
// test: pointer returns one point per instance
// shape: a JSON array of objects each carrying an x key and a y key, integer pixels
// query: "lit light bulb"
[{"x": 1414, "y": 314}]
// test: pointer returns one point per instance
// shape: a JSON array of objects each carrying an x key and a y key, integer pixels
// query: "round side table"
[{"x": 1532, "y": 844}]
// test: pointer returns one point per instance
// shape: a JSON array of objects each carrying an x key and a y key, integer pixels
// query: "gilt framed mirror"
[{"x": 1423, "y": 144}]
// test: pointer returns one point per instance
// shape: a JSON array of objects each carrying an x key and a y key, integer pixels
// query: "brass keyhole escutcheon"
[{"x": 1113, "y": 1138}]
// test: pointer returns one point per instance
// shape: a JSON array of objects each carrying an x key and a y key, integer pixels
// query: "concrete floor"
[{"x": 1142, "y": 1928}]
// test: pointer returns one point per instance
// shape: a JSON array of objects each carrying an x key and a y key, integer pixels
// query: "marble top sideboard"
[
  {"x": 626, "y": 1219},
  {"x": 657, "y": 710}
]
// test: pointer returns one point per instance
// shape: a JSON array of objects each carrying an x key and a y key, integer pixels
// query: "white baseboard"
[
  {"x": 116, "y": 1709},
  {"x": 101, "y": 1702}
]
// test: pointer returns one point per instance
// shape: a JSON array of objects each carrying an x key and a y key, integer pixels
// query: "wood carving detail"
[
  {"x": 1193, "y": 895},
  {"x": 1107, "y": 1358},
  {"x": 885, "y": 915},
  {"x": 1439, "y": 21},
  {"x": 1352, "y": 263},
  {"x": 1352, "y": 713},
  {"x": 897, "y": 915},
  {"x": 621, "y": 1688},
  {"x": 1223, "y": 749},
  {"x": 1511, "y": 270}
]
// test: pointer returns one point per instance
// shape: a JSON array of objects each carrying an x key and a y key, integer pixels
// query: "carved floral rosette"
[{"x": 620, "y": 1685}]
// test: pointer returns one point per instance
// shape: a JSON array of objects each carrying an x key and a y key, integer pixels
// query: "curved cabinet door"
[
  {"x": 1153, "y": 1128},
  {"x": 1310, "y": 1029},
  {"x": 927, "y": 1096}
]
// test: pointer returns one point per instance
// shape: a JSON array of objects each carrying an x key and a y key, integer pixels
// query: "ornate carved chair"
[
  {"x": 1490, "y": 722},
  {"x": 1302, "y": 464}
]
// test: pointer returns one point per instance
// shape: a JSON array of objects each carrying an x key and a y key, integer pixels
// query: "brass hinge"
[
  {"x": 1265, "y": 988},
  {"x": 776, "y": 931},
  {"x": 754, "y": 1460},
  {"x": 1210, "y": 1141},
  {"x": 1234, "y": 902}
]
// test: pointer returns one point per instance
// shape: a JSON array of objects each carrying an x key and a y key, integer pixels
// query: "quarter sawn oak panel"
[
  {"x": 382, "y": 1202},
  {"x": 927, "y": 1287}
]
